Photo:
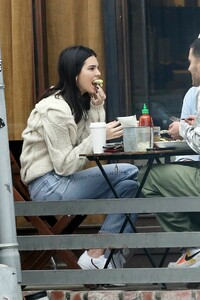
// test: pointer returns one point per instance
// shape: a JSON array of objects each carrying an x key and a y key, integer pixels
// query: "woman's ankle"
[{"x": 95, "y": 253}]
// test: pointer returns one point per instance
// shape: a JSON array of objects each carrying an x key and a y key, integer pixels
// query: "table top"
[{"x": 157, "y": 153}]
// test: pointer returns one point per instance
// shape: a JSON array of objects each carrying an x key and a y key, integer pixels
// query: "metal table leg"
[{"x": 127, "y": 219}]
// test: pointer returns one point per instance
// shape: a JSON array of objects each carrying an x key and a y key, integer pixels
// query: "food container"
[{"x": 136, "y": 138}]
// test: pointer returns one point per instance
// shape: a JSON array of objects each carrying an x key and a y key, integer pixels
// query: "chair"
[{"x": 44, "y": 225}]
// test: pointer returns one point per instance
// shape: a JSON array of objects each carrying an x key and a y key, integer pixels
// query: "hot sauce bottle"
[{"x": 145, "y": 119}]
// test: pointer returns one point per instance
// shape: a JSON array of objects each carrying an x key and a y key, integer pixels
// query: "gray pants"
[{"x": 175, "y": 180}]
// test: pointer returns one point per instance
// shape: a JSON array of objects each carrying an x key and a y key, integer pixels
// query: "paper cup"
[{"x": 98, "y": 134}]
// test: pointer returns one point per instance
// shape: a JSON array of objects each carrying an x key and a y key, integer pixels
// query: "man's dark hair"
[{"x": 196, "y": 47}]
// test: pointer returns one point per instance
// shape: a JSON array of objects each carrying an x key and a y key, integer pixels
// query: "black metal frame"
[{"x": 117, "y": 59}]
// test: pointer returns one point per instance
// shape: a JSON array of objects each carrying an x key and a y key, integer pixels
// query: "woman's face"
[{"x": 89, "y": 72}]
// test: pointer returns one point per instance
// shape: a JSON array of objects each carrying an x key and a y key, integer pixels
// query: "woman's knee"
[{"x": 130, "y": 170}]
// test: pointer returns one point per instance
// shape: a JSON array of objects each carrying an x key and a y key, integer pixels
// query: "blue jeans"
[{"x": 90, "y": 184}]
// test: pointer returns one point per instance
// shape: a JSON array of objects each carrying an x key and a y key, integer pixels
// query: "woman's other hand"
[
  {"x": 98, "y": 97},
  {"x": 114, "y": 130}
]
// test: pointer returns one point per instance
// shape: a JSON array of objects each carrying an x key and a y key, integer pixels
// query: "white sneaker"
[
  {"x": 87, "y": 262},
  {"x": 189, "y": 259}
]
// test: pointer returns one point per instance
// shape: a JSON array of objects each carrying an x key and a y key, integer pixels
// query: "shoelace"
[{"x": 94, "y": 264}]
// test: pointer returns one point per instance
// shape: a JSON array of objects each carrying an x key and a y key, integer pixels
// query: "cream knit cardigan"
[{"x": 53, "y": 141}]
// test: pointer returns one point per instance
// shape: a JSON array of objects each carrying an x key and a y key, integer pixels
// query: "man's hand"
[
  {"x": 190, "y": 119},
  {"x": 174, "y": 130}
]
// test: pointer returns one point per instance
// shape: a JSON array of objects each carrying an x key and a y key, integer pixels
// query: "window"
[
  {"x": 153, "y": 39},
  {"x": 160, "y": 33}
]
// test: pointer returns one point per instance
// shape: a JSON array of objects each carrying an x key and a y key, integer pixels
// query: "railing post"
[{"x": 9, "y": 254}]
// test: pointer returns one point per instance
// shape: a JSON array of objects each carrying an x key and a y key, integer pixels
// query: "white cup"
[{"x": 98, "y": 133}]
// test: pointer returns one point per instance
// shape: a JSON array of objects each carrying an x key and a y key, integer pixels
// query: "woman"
[{"x": 58, "y": 131}]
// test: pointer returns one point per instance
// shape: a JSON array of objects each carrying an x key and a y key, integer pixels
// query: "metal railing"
[{"x": 117, "y": 241}]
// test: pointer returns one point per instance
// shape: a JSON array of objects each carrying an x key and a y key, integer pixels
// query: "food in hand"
[{"x": 98, "y": 82}]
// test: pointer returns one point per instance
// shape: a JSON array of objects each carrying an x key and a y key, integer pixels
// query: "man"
[
  {"x": 189, "y": 107},
  {"x": 176, "y": 180}
]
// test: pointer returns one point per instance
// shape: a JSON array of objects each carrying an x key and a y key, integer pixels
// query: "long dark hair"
[{"x": 70, "y": 63}]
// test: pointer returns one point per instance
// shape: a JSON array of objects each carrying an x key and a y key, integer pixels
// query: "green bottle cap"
[{"x": 145, "y": 109}]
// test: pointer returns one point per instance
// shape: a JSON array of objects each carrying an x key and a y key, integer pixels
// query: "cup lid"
[{"x": 97, "y": 124}]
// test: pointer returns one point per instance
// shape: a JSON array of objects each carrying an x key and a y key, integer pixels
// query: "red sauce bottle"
[{"x": 145, "y": 119}]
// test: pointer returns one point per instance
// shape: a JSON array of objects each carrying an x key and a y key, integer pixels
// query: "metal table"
[{"x": 150, "y": 156}]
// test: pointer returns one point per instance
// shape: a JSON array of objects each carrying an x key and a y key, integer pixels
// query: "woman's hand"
[
  {"x": 114, "y": 130},
  {"x": 98, "y": 97}
]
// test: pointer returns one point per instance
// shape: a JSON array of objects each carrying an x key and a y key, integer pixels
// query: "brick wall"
[{"x": 123, "y": 295}]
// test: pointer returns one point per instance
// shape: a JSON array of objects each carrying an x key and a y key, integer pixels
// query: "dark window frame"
[
  {"x": 117, "y": 59},
  {"x": 40, "y": 47}
]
